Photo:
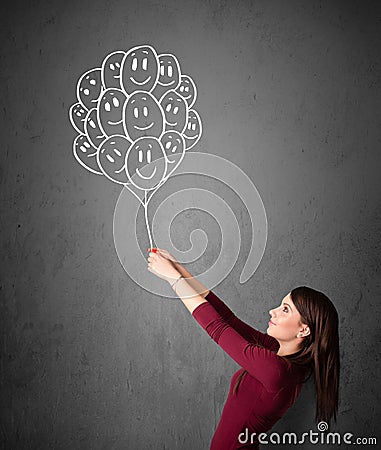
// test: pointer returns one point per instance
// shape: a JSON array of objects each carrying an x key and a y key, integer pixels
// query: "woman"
[{"x": 302, "y": 339}]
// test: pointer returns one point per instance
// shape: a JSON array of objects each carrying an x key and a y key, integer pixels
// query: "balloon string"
[
  {"x": 146, "y": 218},
  {"x": 157, "y": 187},
  {"x": 127, "y": 186}
]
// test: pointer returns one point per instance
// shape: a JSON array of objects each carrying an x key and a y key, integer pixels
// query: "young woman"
[{"x": 302, "y": 339}]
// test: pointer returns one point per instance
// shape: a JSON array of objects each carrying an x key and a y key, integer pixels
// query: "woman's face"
[{"x": 285, "y": 322}]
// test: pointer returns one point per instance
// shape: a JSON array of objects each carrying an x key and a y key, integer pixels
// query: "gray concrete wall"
[{"x": 289, "y": 92}]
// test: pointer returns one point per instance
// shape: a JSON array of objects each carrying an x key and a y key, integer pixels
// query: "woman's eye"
[{"x": 285, "y": 309}]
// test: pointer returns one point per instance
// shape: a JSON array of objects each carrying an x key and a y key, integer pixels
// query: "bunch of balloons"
[{"x": 135, "y": 110}]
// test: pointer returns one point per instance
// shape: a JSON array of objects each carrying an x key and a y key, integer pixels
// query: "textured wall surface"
[{"x": 289, "y": 92}]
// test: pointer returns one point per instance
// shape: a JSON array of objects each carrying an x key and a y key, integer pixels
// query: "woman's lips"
[{"x": 271, "y": 323}]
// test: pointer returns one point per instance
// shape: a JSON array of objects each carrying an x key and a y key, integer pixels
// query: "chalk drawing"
[
  {"x": 169, "y": 75},
  {"x": 143, "y": 116},
  {"x": 89, "y": 88},
  {"x": 195, "y": 242},
  {"x": 131, "y": 111},
  {"x": 111, "y": 67},
  {"x": 193, "y": 129},
  {"x": 111, "y": 158},
  {"x": 86, "y": 154},
  {"x": 136, "y": 122},
  {"x": 187, "y": 90},
  {"x": 140, "y": 69},
  {"x": 110, "y": 111},
  {"x": 175, "y": 110},
  {"x": 92, "y": 129},
  {"x": 77, "y": 115}
]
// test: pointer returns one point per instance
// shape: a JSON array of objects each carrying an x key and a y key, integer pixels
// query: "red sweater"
[{"x": 268, "y": 389}]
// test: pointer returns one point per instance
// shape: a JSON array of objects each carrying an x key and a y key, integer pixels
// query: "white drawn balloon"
[
  {"x": 110, "y": 111},
  {"x": 143, "y": 116},
  {"x": 175, "y": 111},
  {"x": 169, "y": 74},
  {"x": 140, "y": 69},
  {"x": 111, "y": 68},
  {"x": 77, "y": 115},
  {"x": 111, "y": 157},
  {"x": 89, "y": 88},
  {"x": 174, "y": 147},
  {"x": 136, "y": 120},
  {"x": 146, "y": 158},
  {"x": 188, "y": 90},
  {"x": 92, "y": 128},
  {"x": 86, "y": 154},
  {"x": 193, "y": 129}
]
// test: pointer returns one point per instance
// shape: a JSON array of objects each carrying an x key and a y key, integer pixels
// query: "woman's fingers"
[
  {"x": 161, "y": 251},
  {"x": 153, "y": 255},
  {"x": 156, "y": 255},
  {"x": 166, "y": 254},
  {"x": 152, "y": 258}
]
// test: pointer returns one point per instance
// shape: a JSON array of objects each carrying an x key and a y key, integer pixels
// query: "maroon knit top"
[{"x": 265, "y": 393}]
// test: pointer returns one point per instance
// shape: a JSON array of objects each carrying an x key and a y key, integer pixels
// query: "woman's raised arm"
[
  {"x": 201, "y": 289},
  {"x": 192, "y": 293}
]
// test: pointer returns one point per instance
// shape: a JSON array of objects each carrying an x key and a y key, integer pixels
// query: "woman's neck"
[{"x": 287, "y": 348}]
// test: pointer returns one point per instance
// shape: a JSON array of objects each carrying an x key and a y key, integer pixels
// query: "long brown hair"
[{"x": 319, "y": 352}]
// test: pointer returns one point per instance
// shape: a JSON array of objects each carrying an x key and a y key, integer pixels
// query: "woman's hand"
[
  {"x": 162, "y": 264},
  {"x": 164, "y": 253}
]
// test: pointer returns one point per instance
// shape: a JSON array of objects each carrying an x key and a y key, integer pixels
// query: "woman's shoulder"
[
  {"x": 271, "y": 369},
  {"x": 283, "y": 365},
  {"x": 270, "y": 342}
]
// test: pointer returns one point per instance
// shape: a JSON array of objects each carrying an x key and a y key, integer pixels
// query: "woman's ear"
[{"x": 305, "y": 331}]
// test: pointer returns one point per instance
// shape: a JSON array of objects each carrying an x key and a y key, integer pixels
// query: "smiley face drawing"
[
  {"x": 146, "y": 163},
  {"x": 77, "y": 115},
  {"x": 140, "y": 69},
  {"x": 110, "y": 111},
  {"x": 187, "y": 90},
  {"x": 174, "y": 147},
  {"x": 169, "y": 75},
  {"x": 143, "y": 116},
  {"x": 193, "y": 129},
  {"x": 111, "y": 67},
  {"x": 92, "y": 128},
  {"x": 175, "y": 110},
  {"x": 86, "y": 154},
  {"x": 89, "y": 88},
  {"x": 111, "y": 157}
]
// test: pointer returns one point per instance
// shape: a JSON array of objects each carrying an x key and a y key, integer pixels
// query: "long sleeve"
[
  {"x": 245, "y": 330},
  {"x": 262, "y": 363}
]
